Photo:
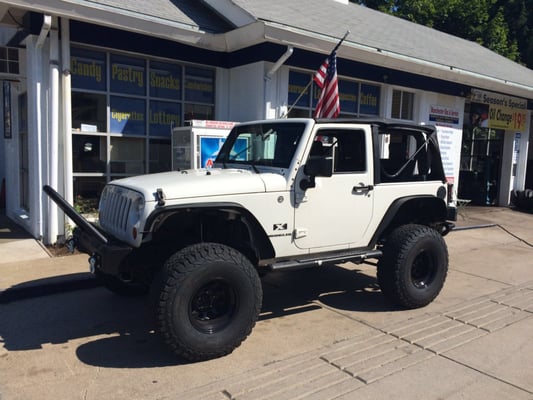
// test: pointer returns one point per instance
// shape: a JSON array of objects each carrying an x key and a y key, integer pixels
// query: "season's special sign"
[{"x": 498, "y": 111}]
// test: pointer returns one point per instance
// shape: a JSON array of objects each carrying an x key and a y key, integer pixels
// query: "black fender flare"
[
  {"x": 432, "y": 209},
  {"x": 259, "y": 237}
]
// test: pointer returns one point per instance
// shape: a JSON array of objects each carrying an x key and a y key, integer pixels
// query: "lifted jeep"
[{"x": 282, "y": 194}]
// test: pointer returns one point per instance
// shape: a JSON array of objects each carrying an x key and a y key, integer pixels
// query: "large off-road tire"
[
  {"x": 414, "y": 265},
  {"x": 120, "y": 286},
  {"x": 209, "y": 299}
]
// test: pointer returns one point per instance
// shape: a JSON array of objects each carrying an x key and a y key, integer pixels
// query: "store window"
[
  {"x": 355, "y": 98},
  {"x": 9, "y": 60},
  {"x": 123, "y": 110},
  {"x": 402, "y": 105}
]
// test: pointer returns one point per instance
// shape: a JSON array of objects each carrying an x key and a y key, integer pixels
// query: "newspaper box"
[{"x": 197, "y": 145}]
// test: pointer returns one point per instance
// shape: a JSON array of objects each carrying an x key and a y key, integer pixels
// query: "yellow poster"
[
  {"x": 507, "y": 118},
  {"x": 504, "y": 112}
]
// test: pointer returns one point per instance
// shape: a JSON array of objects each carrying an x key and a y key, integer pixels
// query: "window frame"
[{"x": 153, "y": 104}]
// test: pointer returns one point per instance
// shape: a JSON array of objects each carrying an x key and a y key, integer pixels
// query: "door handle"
[{"x": 363, "y": 189}]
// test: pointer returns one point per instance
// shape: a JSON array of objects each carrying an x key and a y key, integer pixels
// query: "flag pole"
[
  {"x": 297, "y": 99},
  {"x": 311, "y": 81},
  {"x": 342, "y": 40}
]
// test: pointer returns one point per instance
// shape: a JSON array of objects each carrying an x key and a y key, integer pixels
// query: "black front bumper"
[
  {"x": 107, "y": 257},
  {"x": 108, "y": 254}
]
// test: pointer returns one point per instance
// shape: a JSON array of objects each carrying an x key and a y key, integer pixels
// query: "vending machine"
[{"x": 197, "y": 145}]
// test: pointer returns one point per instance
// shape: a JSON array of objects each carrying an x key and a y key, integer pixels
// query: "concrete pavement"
[{"x": 326, "y": 333}]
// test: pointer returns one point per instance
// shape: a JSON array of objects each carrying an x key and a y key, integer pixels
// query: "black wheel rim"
[
  {"x": 423, "y": 271},
  {"x": 212, "y": 307}
]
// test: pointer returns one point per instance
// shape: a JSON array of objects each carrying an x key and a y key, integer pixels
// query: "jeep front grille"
[{"x": 115, "y": 207}]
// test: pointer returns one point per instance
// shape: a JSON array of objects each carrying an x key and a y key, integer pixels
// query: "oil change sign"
[{"x": 499, "y": 111}]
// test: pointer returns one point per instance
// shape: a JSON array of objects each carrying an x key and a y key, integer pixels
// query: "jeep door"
[{"x": 337, "y": 211}]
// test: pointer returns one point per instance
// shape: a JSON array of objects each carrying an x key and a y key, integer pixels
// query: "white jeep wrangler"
[{"x": 282, "y": 194}]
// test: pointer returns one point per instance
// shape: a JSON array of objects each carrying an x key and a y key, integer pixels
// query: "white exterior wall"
[
  {"x": 37, "y": 94},
  {"x": 46, "y": 159},
  {"x": 515, "y": 151},
  {"x": 222, "y": 94},
  {"x": 246, "y": 92},
  {"x": 276, "y": 92}
]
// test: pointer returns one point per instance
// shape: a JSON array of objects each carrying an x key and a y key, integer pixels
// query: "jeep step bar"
[{"x": 329, "y": 258}]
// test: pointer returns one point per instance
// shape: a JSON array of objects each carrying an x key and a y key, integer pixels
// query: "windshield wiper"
[{"x": 252, "y": 164}]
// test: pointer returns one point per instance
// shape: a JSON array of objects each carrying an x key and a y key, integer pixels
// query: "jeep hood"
[{"x": 203, "y": 183}]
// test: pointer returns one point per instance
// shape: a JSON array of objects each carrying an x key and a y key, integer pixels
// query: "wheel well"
[
  {"x": 174, "y": 229},
  {"x": 423, "y": 210}
]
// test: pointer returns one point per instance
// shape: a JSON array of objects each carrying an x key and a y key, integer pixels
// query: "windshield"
[{"x": 261, "y": 144}]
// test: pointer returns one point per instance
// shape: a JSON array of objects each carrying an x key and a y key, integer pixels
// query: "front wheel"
[
  {"x": 414, "y": 265},
  {"x": 209, "y": 301}
]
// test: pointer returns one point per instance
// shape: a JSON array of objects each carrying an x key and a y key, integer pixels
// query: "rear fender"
[{"x": 425, "y": 210}]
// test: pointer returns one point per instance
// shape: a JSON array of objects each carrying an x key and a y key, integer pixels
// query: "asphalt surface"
[{"x": 326, "y": 333}]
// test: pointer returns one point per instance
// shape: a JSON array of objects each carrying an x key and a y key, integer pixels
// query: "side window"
[
  {"x": 346, "y": 146},
  {"x": 404, "y": 156}
]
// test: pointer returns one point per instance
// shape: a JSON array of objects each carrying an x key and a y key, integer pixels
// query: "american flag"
[{"x": 328, "y": 105}]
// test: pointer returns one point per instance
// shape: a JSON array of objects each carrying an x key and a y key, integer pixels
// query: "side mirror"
[{"x": 316, "y": 166}]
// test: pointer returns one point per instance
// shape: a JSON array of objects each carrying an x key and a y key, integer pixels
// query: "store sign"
[
  {"x": 498, "y": 111},
  {"x": 199, "y": 85},
  {"x": 369, "y": 99},
  {"x": 163, "y": 116},
  {"x": 354, "y": 97},
  {"x": 450, "y": 135},
  {"x": 127, "y": 75},
  {"x": 443, "y": 115},
  {"x": 348, "y": 91},
  {"x": 128, "y": 116},
  {"x": 297, "y": 86},
  {"x": 450, "y": 140},
  {"x": 7, "y": 110},
  {"x": 88, "y": 69},
  {"x": 165, "y": 80}
]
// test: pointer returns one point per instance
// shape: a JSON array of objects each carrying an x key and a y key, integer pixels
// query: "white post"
[
  {"x": 66, "y": 107},
  {"x": 53, "y": 143}
]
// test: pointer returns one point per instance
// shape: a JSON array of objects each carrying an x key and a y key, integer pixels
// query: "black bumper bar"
[{"x": 107, "y": 253}]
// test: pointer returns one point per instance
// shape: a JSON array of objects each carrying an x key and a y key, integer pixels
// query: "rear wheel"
[
  {"x": 209, "y": 301},
  {"x": 414, "y": 265}
]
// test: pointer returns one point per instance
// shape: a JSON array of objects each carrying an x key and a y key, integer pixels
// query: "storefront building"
[{"x": 91, "y": 93}]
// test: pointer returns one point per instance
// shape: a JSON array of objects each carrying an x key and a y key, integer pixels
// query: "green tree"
[{"x": 504, "y": 26}]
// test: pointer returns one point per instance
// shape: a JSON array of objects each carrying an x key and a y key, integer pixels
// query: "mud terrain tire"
[
  {"x": 209, "y": 301},
  {"x": 414, "y": 265}
]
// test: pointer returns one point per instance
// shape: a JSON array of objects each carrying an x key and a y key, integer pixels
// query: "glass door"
[{"x": 481, "y": 153}]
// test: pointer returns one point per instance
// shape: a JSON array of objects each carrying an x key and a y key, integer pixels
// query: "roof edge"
[
  {"x": 230, "y": 12},
  {"x": 310, "y": 41}
]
